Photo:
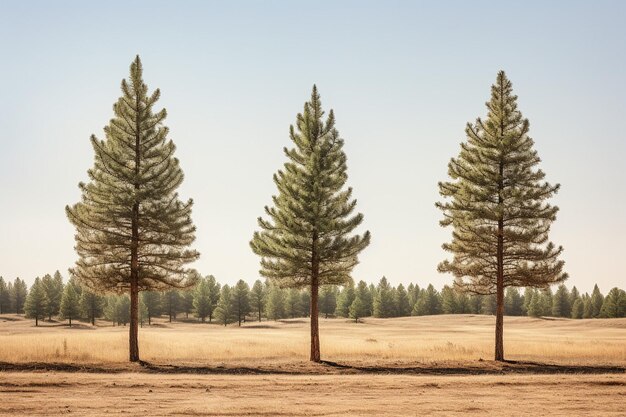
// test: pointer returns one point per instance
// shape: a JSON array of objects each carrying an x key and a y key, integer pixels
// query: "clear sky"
[{"x": 403, "y": 78}]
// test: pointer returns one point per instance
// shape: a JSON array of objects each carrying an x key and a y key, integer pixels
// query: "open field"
[
  {"x": 77, "y": 394},
  {"x": 437, "y": 365},
  {"x": 409, "y": 340}
]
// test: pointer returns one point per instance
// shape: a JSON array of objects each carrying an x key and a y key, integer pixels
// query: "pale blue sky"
[{"x": 402, "y": 77}]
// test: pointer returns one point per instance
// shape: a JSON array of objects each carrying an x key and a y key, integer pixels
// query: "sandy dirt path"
[{"x": 80, "y": 394}]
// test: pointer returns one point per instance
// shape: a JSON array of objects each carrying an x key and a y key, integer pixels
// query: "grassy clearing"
[{"x": 412, "y": 339}]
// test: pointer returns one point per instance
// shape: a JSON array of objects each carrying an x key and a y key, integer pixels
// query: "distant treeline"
[{"x": 210, "y": 301}]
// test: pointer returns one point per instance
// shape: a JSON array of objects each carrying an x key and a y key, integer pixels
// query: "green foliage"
[
  {"x": 186, "y": 301},
  {"x": 328, "y": 300},
  {"x": 498, "y": 207},
  {"x": 241, "y": 300},
  {"x": 170, "y": 303},
  {"x": 614, "y": 304},
  {"x": 345, "y": 299},
  {"x": 226, "y": 312},
  {"x": 561, "y": 306},
  {"x": 401, "y": 302},
  {"x": 202, "y": 299},
  {"x": 545, "y": 301},
  {"x": 152, "y": 303},
  {"x": 534, "y": 307},
  {"x": 428, "y": 302},
  {"x": 597, "y": 299},
  {"x": 448, "y": 300},
  {"x": 275, "y": 307},
  {"x": 513, "y": 302},
  {"x": 53, "y": 288},
  {"x": 257, "y": 298},
  {"x": 132, "y": 230},
  {"x": 4, "y": 297},
  {"x": 117, "y": 309},
  {"x": 577, "y": 309},
  {"x": 488, "y": 305},
  {"x": 18, "y": 293},
  {"x": 311, "y": 217},
  {"x": 293, "y": 303},
  {"x": 36, "y": 303},
  {"x": 91, "y": 305},
  {"x": 383, "y": 300},
  {"x": 70, "y": 303}
]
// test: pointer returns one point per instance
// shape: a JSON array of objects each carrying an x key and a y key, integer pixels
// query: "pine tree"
[
  {"x": 528, "y": 293},
  {"x": 545, "y": 301},
  {"x": 36, "y": 302},
  {"x": 462, "y": 302},
  {"x": 614, "y": 304},
  {"x": 498, "y": 210},
  {"x": 292, "y": 303},
  {"x": 131, "y": 227},
  {"x": 305, "y": 303},
  {"x": 152, "y": 303},
  {"x": 91, "y": 306},
  {"x": 428, "y": 303},
  {"x": 186, "y": 301},
  {"x": 345, "y": 299},
  {"x": 4, "y": 297},
  {"x": 18, "y": 295},
  {"x": 308, "y": 241},
  {"x": 489, "y": 305},
  {"x": 170, "y": 301},
  {"x": 257, "y": 297},
  {"x": 53, "y": 288},
  {"x": 70, "y": 303},
  {"x": 241, "y": 300},
  {"x": 534, "y": 307},
  {"x": 360, "y": 307},
  {"x": 577, "y": 309},
  {"x": 214, "y": 289},
  {"x": 401, "y": 302},
  {"x": 225, "y": 312},
  {"x": 202, "y": 299},
  {"x": 448, "y": 300},
  {"x": 275, "y": 306},
  {"x": 328, "y": 300},
  {"x": 513, "y": 302},
  {"x": 413, "y": 291},
  {"x": 573, "y": 296},
  {"x": 587, "y": 307},
  {"x": 475, "y": 303},
  {"x": 597, "y": 299},
  {"x": 561, "y": 306},
  {"x": 383, "y": 300}
]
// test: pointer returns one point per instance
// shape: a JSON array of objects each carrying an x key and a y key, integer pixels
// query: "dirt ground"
[{"x": 81, "y": 394}]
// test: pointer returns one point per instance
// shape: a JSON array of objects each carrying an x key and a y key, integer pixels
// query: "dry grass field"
[
  {"x": 438, "y": 365},
  {"x": 407, "y": 340}
]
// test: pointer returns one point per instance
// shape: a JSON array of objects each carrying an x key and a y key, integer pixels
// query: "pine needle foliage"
[
  {"x": 307, "y": 240},
  {"x": 132, "y": 230}
]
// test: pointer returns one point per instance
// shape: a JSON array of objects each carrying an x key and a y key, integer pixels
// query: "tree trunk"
[
  {"x": 70, "y": 321},
  {"x": 315, "y": 332},
  {"x": 259, "y": 314},
  {"x": 36, "y": 321},
  {"x": 499, "y": 351},
  {"x": 133, "y": 330},
  {"x": 134, "y": 322}
]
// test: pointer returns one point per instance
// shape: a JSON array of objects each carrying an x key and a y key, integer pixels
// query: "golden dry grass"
[{"x": 411, "y": 339}]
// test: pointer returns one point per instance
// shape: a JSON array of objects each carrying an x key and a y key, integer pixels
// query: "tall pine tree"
[
  {"x": 308, "y": 240},
  {"x": 498, "y": 208},
  {"x": 132, "y": 229}
]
